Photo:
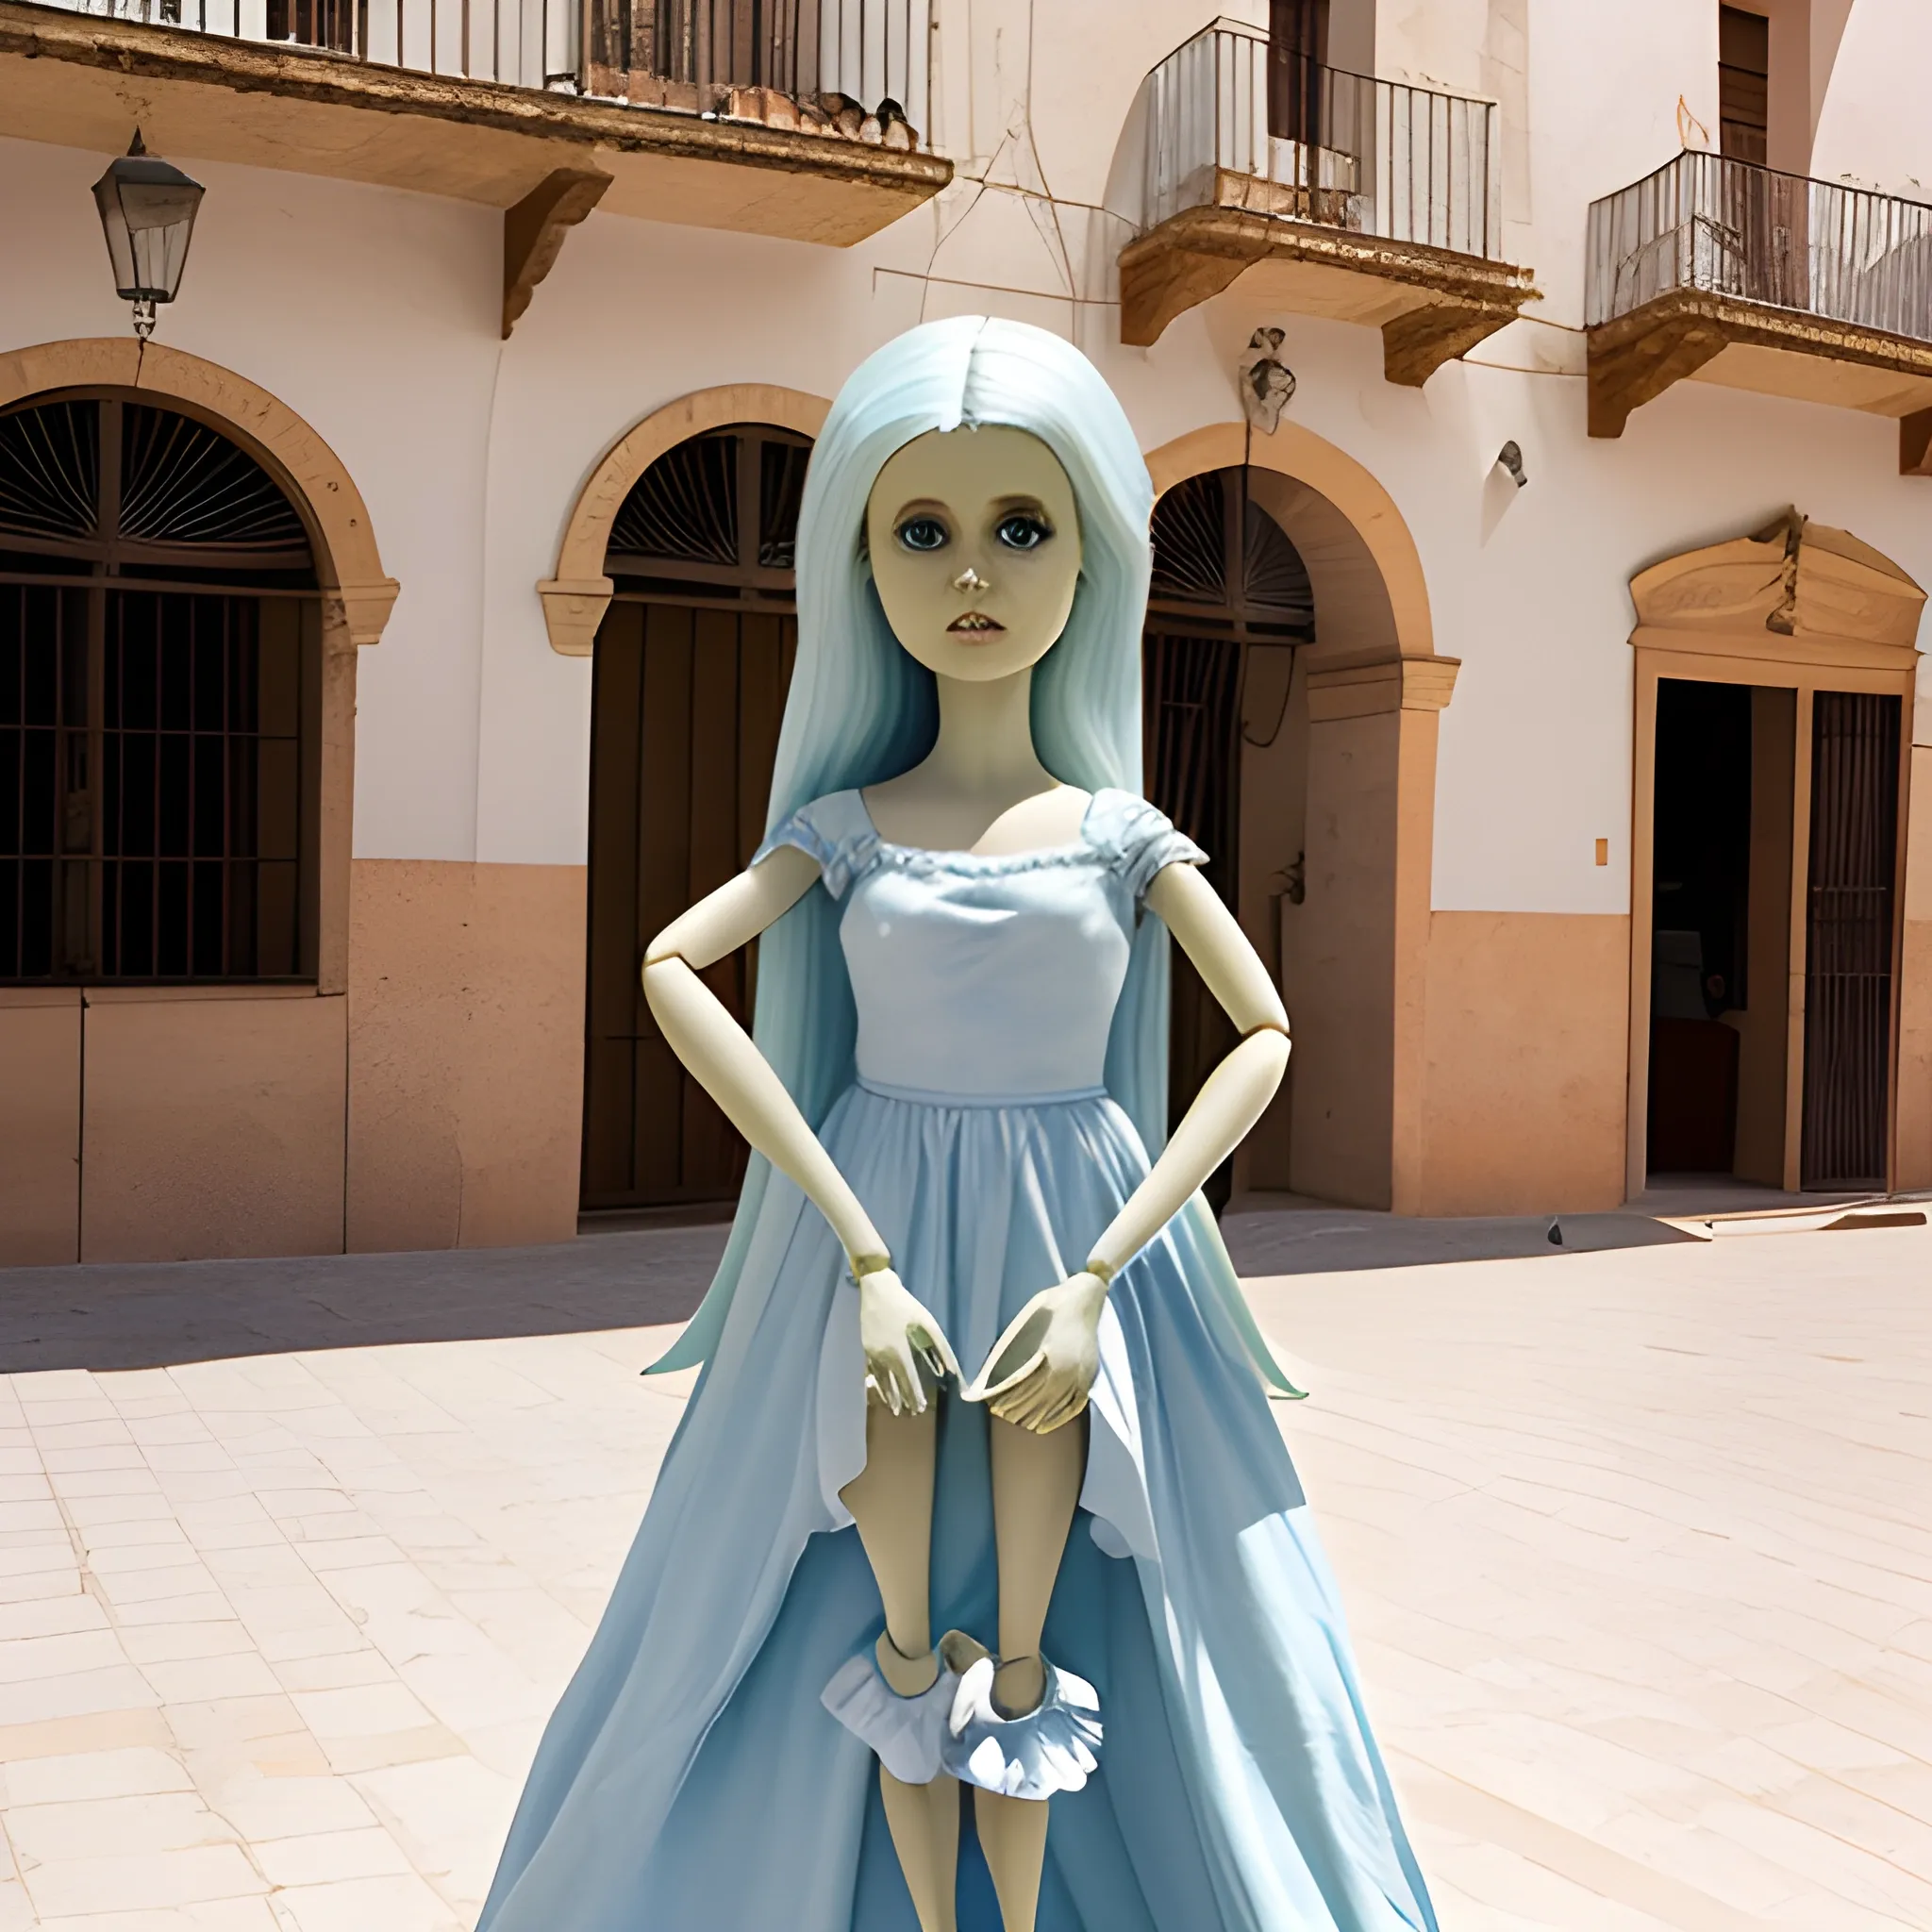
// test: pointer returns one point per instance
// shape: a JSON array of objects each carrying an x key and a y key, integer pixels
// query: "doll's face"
[{"x": 975, "y": 550}]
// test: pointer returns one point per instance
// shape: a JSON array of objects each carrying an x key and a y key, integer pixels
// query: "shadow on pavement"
[
  {"x": 153, "y": 1314},
  {"x": 1325, "y": 1241},
  {"x": 150, "y": 1315}
]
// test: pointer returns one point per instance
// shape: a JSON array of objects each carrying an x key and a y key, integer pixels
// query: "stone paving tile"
[{"x": 1634, "y": 1544}]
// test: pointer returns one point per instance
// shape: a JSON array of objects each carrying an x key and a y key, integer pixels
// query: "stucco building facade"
[{"x": 533, "y": 342}]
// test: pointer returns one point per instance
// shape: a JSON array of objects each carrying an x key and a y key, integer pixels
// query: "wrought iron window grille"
[
  {"x": 160, "y": 679},
  {"x": 713, "y": 520}
]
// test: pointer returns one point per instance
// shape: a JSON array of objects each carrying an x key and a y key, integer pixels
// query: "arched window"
[
  {"x": 1227, "y": 582},
  {"x": 692, "y": 665},
  {"x": 160, "y": 667}
]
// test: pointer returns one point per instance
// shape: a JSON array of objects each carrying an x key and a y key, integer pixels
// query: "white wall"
[
  {"x": 1875, "y": 126},
  {"x": 373, "y": 314}
]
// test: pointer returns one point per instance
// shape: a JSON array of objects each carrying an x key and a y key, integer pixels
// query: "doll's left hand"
[{"x": 1041, "y": 1369}]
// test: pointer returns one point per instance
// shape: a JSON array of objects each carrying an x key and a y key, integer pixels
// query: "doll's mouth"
[{"x": 975, "y": 624}]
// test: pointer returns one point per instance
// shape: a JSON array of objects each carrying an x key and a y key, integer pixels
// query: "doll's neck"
[{"x": 985, "y": 744}]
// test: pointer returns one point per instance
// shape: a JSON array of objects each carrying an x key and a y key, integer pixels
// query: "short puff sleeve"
[
  {"x": 1139, "y": 838},
  {"x": 836, "y": 831}
]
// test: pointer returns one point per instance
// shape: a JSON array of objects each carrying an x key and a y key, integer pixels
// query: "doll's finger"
[
  {"x": 1009, "y": 1338},
  {"x": 1068, "y": 1411},
  {"x": 1049, "y": 1414},
  {"x": 1014, "y": 1382},
  {"x": 1027, "y": 1401},
  {"x": 1010, "y": 1401},
  {"x": 937, "y": 1357},
  {"x": 1054, "y": 1408},
  {"x": 1002, "y": 1391},
  {"x": 915, "y": 1386}
]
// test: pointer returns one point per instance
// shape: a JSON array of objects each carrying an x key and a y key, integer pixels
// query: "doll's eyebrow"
[
  {"x": 1009, "y": 506},
  {"x": 920, "y": 506}
]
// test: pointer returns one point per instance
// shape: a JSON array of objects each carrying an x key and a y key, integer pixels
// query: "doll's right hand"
[{"x": 900, "y": 1339}]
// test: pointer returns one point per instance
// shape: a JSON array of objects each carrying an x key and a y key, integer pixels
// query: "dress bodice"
[{"x": 986, "y": 976}]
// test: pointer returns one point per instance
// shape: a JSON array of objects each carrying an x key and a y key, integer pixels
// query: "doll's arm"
[
  {"x": 1041, "y": 1369},
  {"x": 1234, "y": 1095},
  {"x": 718, "y": 1052},
  {"x": 898, "y": 1335}
]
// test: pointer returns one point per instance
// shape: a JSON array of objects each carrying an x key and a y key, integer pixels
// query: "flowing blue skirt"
[{"x": 691, "y": 1780}]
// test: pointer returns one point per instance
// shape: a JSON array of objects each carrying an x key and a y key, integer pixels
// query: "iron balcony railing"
[
  {"x": 1740, "y": 229},
  {"x": 851, "y": 68},
  {"x": 1233, "y": 122}
]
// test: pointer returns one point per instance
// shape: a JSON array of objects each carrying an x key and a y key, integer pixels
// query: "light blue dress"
[{"x": 690, "y": 1779}]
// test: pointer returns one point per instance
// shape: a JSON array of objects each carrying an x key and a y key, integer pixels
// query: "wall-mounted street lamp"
[{"x": 148, "y": 214}]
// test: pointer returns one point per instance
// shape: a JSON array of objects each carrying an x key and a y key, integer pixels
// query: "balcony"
[
  {"x": 1322, "y": 193},
  {"x": 1724, "y": 270},
  {"x": 800, "y": 118}
]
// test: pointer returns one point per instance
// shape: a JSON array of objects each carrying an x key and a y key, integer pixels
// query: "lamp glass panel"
[{"x": 119, "y": 246}]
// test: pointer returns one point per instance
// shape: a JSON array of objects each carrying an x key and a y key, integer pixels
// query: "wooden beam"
[
  {"x": 1915, "y": 444},
  {"x": 533, "y": 232}
]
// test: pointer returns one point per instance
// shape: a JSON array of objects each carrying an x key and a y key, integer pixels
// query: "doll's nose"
[{"x": 969, "y": 580}]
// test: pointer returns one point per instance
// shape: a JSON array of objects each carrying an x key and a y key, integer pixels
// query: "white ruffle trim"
[
  {"x": 905, "y": 1734},
  {"x": 1052, "y": 1748}
]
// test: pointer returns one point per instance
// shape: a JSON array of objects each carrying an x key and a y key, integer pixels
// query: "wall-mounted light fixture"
[
  {"x": 148, "y": 214},
  {"x": 1511, "y": 457}
]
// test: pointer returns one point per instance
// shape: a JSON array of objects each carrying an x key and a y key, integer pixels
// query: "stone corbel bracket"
[
  {"x": 365, "y": 607},
  {"x": 1366, "y": 684},
  {"x": 572, "y": 610},
  {"x": 1915, "y": 444},
  {"x": 534, "y": 229}
]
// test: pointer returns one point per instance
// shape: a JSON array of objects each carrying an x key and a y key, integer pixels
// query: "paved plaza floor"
[{"x": 1636, "y": 1536}]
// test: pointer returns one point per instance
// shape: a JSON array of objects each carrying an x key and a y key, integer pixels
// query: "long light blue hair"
[{"x": 862, "y": 710}]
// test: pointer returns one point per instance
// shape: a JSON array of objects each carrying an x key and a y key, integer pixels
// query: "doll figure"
[{"x": 1045, "y": 1640}]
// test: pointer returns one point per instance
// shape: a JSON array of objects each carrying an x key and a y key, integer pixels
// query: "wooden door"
[
  {"x": 1297, "y": 55},
  {"x": 684, "y": 728},
  {"x": 1848, "y": 938},
  {"x": 692, "y": 662}
]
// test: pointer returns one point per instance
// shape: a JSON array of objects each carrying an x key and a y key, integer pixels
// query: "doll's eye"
[
  {"x": 1022, "y": 531},
  {"x": 922, "y": 533}
]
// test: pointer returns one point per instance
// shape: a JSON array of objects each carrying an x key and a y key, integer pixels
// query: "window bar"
[
  {"x": 192, "y": 745},
  {"x": 157, "y": 764},
  {"x": 229, "y": 669}
]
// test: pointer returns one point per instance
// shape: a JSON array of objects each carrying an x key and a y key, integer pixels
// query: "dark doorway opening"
[
  {"x": 693, "y": 664},
  {"x": 1701, "y": 883},
  {"x": 1729, "y": 1092},
  {"x": 1227, "y": 581}
]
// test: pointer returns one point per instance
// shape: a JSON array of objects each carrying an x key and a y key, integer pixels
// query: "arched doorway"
[
  {"x": 692, "y": 659},
  {"x": 1230, "y": 606},
  {"x": 160, "y": 665},
  {"x": 1774, "y": 1017}
]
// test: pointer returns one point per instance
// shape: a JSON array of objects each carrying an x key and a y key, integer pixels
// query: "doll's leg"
[
  {"x": 1036, "y": 1485},
  {"x": 890, "y": 1500}
]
